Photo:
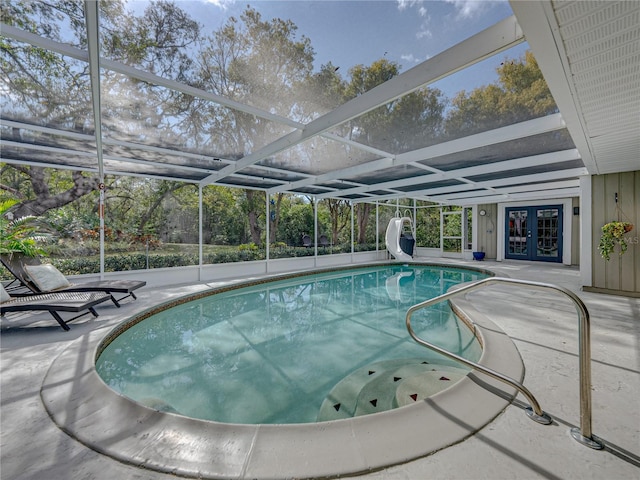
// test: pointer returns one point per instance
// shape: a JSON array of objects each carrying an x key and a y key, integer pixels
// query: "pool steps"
[{"x": 386, "y": 385}]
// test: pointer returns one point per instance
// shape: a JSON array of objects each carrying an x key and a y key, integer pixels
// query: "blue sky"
[{"x": 352, "y": 32}]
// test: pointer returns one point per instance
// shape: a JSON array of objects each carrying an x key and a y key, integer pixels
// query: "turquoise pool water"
[{"x": 274, "y": 352}]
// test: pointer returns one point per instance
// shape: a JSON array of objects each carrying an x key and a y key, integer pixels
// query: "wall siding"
[
  {"x": 621, "y": 273},
  {"x": 487, "y": 230}
]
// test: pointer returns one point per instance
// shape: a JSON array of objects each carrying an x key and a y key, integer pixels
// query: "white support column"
[
  {"x": 267, "y": 230},
  {"x": 200, "y": 237},
  {"x": 415, "y": 217},
  {"x": 586, "y": 237},
  {"x": 93, "y": 45},
  {"x": 315, "y": 232},
  {"x": 352, "y": 232},
  {"x": 474, "y": 228},
  {"x": 377, "y": 227}
]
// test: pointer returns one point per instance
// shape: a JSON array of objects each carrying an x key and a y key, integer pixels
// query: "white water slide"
[{"x": 393, "y": 235}]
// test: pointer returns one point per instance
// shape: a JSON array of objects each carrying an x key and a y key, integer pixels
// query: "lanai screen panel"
[
  {"x": 539, "y": 144},
  {"x": 319, "y": 155},
  {"x": 455, "y": 107},
  {"x": 135, "y": 111},
  {"x": 45, "y": 107}
]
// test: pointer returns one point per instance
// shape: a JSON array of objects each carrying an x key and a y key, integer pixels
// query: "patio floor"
[{"x": 542, "y": 324}]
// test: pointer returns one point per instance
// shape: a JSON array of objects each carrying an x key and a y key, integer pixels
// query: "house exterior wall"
[
  {"x": 570, "y": 226},
  {"x": 491, "y": 226},
  {"x": 488, "y": 230},
  {"x": 621, "y": 274}
]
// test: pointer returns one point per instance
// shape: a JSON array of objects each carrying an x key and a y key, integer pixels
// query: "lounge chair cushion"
[
  {"x": 46, "y": 277},
  {"x": 4, "y": 296}
]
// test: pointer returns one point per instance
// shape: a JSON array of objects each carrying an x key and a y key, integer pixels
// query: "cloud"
[
  {"x": 471, "y": 8},
  {"x": 425, "y": 31},
  {"x": 411, "y": 58},
  {"x": 222, "y": 4},
  {"x": 408, "y": 57},
  {"x": 419, "y": 4},
  {"x": 403, "y": 4}
]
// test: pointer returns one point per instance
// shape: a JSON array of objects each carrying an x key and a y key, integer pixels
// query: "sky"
[{"x": 352, "y": 32}]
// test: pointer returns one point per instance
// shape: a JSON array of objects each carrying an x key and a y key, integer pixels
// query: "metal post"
[
  {"x": 200, "y": 236},
  {"x": 268, "y": 231},
  {"x": 584, "y": 435}
]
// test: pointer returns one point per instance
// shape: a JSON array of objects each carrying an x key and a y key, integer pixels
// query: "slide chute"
[{"x": 399, "y": 238}]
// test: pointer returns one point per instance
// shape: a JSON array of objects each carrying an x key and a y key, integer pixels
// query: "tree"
[
  {"x": 412, "y": 121},
  {"x": 46, "y": 200},
  {"x": 253, "y": 207},
  {"x": 154, "y": 200},
  {"x": 221, "y": 216},
  {"x": 520, "y": 94},
  {"x": 323, "y": 91},
  {"x": 363, "y": 212},
  {"x": 417, "y": 120},
  {"x": 256, "y": 62},
  {"x": 274, "y": 215},
  {"x": 370, "y": 128},
  {"x": 297, "y": 220},
  {"x": 339, "y": 214},
  {"x": 55, "y": 89}
]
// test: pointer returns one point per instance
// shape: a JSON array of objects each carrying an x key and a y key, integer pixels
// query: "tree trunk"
[
  {"x": 363, "y": 210},
  {"x": 254, "y": 227},
  {"x": 149, "y": 213},
  {"x": 339, "y": 218},
  {"x": 274, "y": 217},
  {"x": 44, "y": 200}
]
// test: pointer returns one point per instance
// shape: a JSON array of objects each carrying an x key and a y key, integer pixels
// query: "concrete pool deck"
[{"x": 543, "y": 325}]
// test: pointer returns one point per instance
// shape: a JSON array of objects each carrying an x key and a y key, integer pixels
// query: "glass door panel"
[
  {"x": 547, "y": 234},
  {"x": 518, "y": 233},
  {"x": 534, "y": 233}
]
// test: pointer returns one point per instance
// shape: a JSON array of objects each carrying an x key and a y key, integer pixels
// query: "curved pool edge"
[{"x": 82, "y": 405}]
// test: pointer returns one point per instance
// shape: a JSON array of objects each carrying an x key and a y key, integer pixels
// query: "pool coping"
[{"x": 83, "y": 406}]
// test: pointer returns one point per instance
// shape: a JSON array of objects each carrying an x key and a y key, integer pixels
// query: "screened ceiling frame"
[{"x": 495, "y": 39}]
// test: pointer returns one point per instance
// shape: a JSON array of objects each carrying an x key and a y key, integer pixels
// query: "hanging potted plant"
[{"x": 612, "y": 234}]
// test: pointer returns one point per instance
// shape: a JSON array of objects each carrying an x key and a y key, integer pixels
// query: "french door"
[{"x": 534, "y": 233}]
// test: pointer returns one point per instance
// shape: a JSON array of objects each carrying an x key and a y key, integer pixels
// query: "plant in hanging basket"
[{"x": 612, "y": 234}]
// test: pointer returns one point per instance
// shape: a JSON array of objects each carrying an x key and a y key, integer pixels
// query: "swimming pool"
[
  {"x": 86, "y": 408},
  {"x": 311, "y": 348}
]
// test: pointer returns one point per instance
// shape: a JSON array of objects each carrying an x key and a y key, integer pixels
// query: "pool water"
[{"x": 278, "y": 352}]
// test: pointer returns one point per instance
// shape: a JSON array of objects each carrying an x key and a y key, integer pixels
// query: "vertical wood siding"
[
  {"x": 488, "y": 230},
  {"x": 620, "y": 273}
]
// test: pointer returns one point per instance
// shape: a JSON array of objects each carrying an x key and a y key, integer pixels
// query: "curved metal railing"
[{"x": 583, "y": 434}]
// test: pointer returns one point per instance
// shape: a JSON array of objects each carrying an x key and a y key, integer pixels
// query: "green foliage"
[
  {"x": 364, "y": 247},
  {"x": 520, "y": 94},
  {"x": 612, "y": 235},
  {"x": 296, "y": 220},
  {"x": 19, "y": 235},
  {"x": 264, "y": 63},
  {"x": 428, "y": 227}
]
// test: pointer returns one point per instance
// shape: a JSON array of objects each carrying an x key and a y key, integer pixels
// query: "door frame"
[
  {"x": 533, "y": 234},
  {"x": 566, "y": 224}
]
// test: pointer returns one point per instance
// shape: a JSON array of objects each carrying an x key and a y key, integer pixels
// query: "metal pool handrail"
[{"x": 583, "y": 434}]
